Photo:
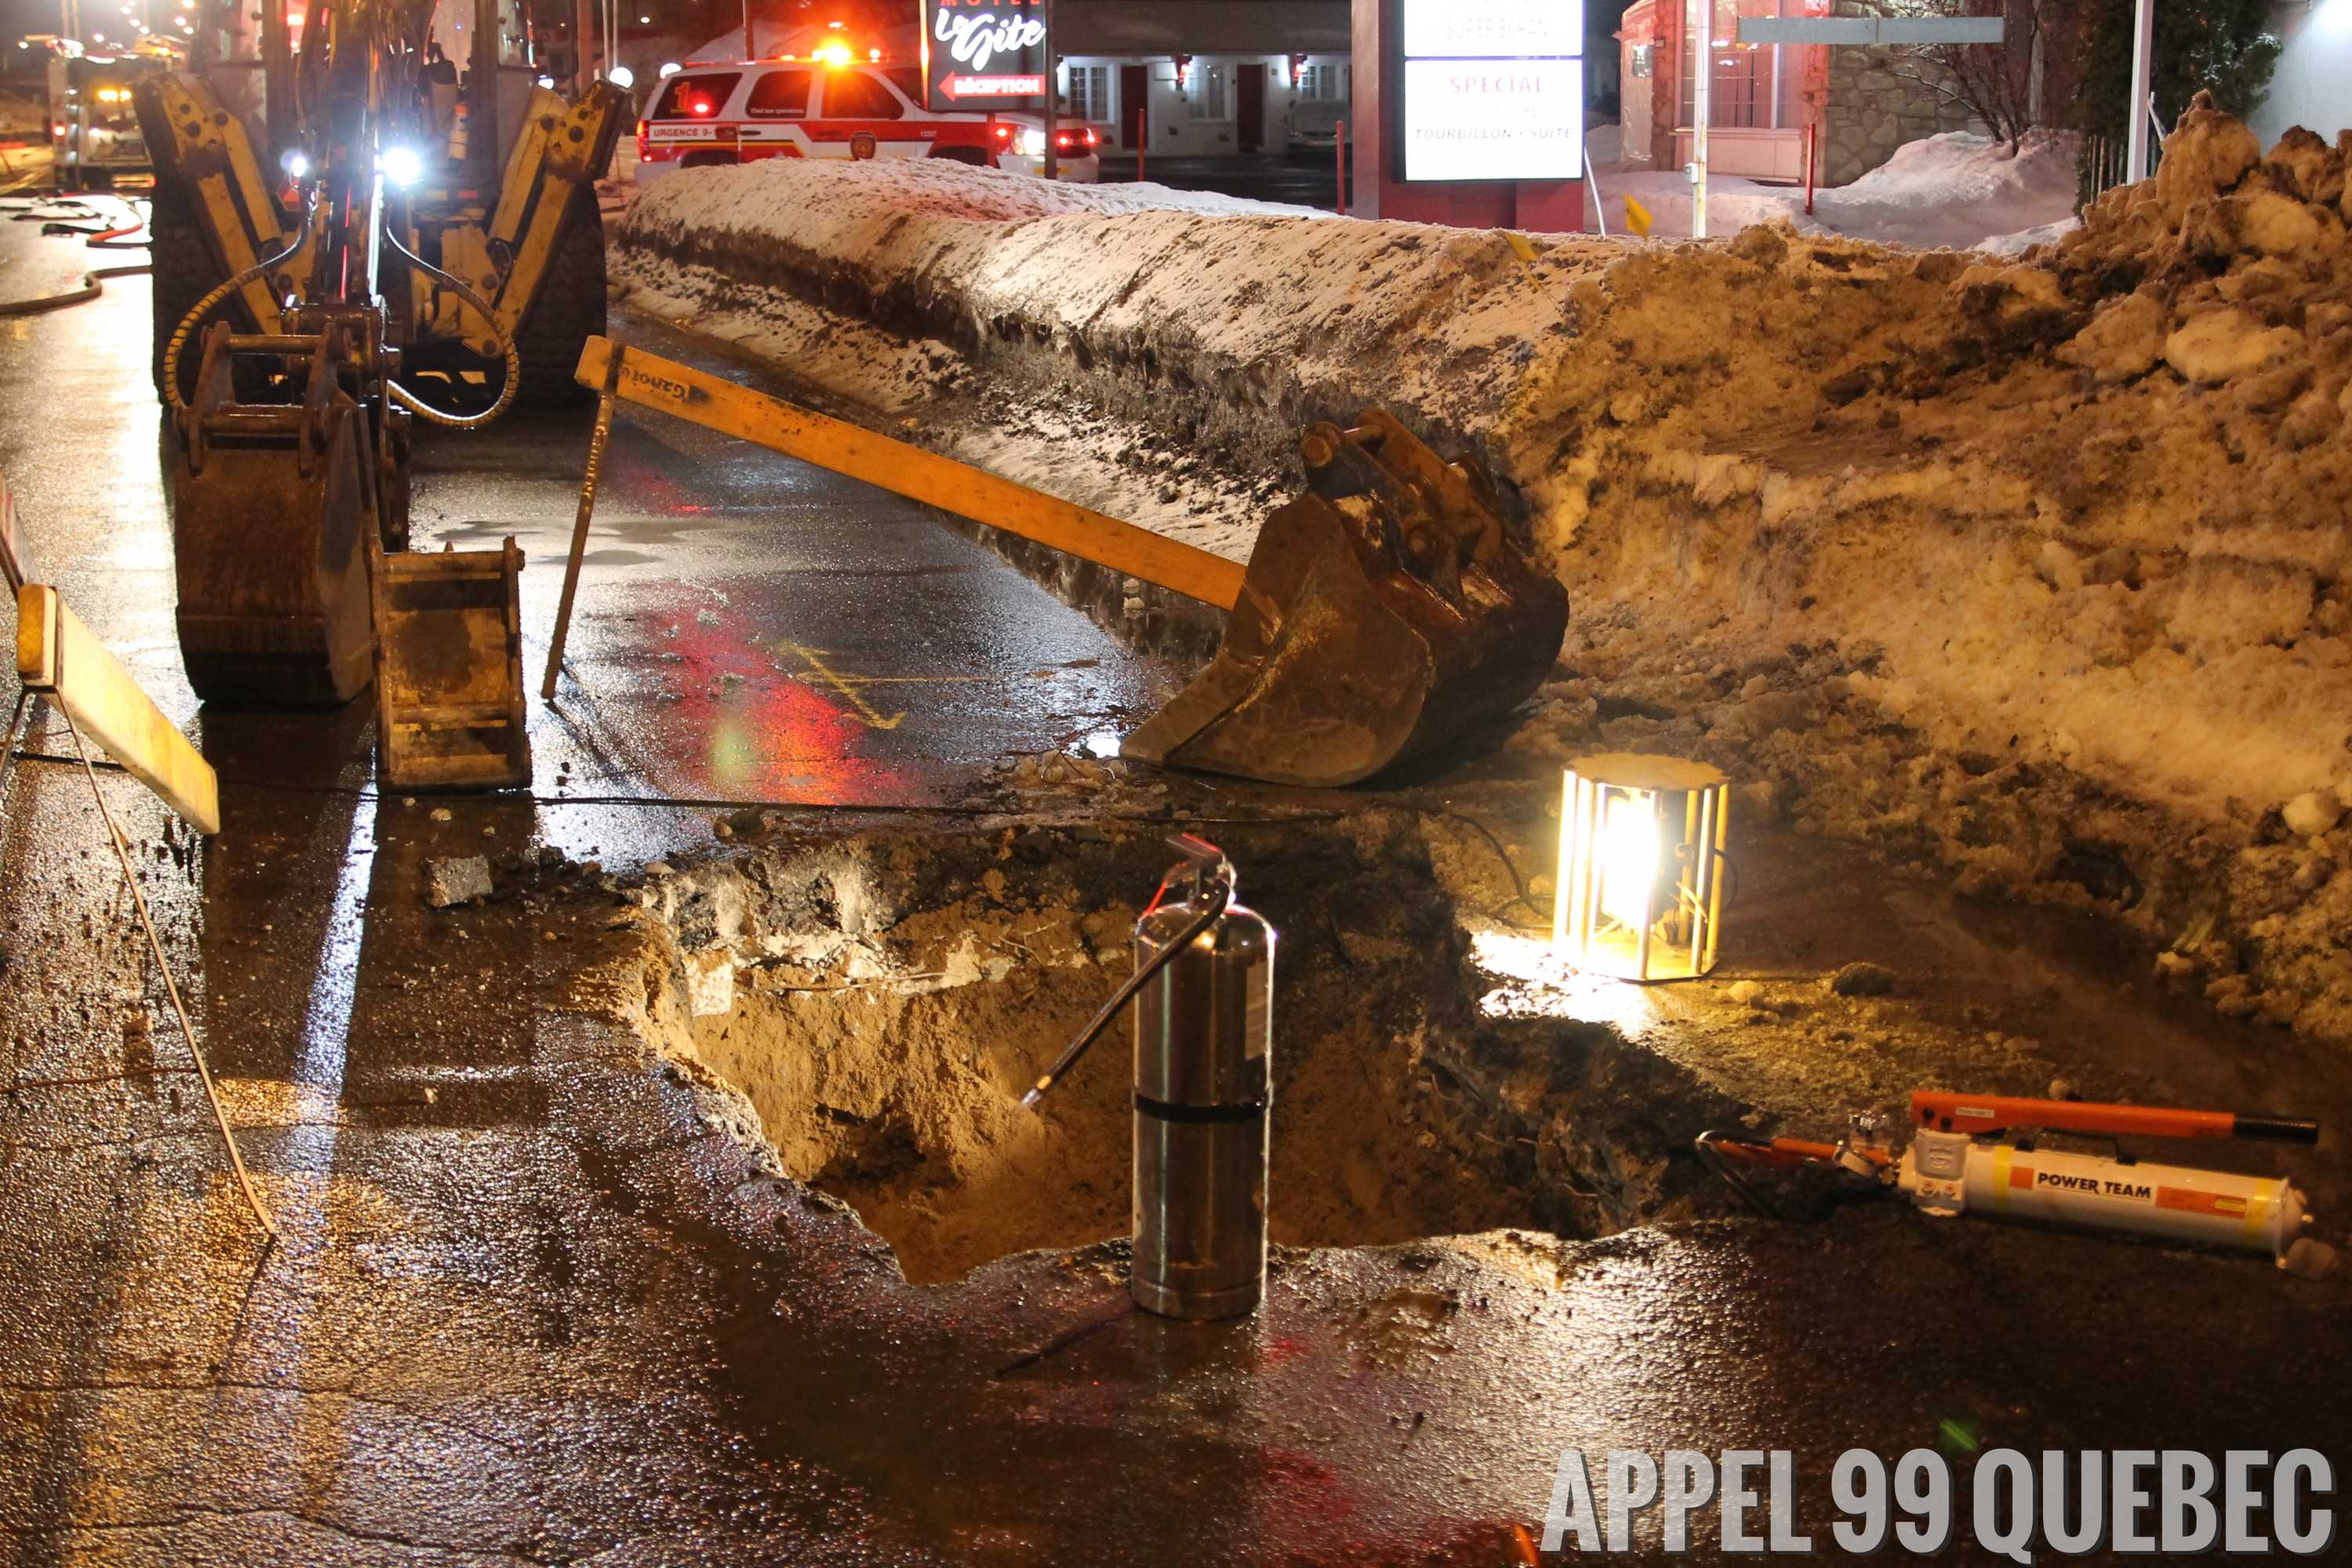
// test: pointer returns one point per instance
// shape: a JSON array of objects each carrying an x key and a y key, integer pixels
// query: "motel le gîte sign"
[
  {"x": 985, "y": 54},
  {"x": 1493, "y": 89}
]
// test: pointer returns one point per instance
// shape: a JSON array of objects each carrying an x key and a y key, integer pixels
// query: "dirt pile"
[{"x": 2033, "y": 569}]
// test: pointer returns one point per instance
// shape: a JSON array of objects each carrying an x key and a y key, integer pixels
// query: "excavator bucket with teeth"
[{"x": 1385, "y": 613}]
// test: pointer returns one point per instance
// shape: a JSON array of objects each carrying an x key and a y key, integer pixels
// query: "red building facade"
[{"x": 1765, "y": 98}]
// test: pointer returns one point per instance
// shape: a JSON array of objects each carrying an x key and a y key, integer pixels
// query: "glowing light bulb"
[{"x": 1629, "y": 860}]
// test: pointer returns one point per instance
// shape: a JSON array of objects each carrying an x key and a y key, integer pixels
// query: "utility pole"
[
  {"x": 750, "y": 49},
  {"x": 584, "y": 39},
  {"x": 2143, "y": 58},
  {"x": 1053, "y": 96}
]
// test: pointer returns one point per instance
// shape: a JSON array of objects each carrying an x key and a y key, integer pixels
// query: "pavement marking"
[{"x": 814, "y": 658}]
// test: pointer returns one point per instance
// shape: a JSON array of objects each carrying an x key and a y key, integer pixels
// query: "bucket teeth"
[{"x": 1385, "y": 613}]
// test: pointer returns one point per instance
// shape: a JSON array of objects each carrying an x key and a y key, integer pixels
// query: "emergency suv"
[{"x": 831, "y": 108}]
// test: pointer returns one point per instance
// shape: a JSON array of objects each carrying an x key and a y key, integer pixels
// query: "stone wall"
[{"x": 1872, "y": 111}]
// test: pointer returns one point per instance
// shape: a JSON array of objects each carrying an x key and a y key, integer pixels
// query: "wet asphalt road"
[
  {"x": 529, "y": 1307},
  {"x": 749, "y": 628}
]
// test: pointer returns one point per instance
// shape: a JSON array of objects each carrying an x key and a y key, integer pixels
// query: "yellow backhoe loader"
[{"x": 347, "y": 237}]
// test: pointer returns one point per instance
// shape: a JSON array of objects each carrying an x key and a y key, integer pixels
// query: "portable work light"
[{"x": 1641, "y": 867}]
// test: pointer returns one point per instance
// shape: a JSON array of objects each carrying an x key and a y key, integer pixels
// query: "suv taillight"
[{"x": 641, "y": 140}]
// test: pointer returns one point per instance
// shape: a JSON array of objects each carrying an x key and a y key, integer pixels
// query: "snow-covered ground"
[
  {"x": 1959, "y": 190},
  {"x": 2039, "y": 570}
]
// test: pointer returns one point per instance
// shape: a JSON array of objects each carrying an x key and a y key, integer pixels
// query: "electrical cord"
[
  {"x": 1705, "y": 1145},
  {"x": 417, "y": 406},
  {"x": 170, "y": 985},
  {"x": 93, "y": 282}
]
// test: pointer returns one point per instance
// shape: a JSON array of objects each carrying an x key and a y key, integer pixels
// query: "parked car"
[
  {"x": 1315, "y": 127},
  {"x": 738, "y": 112}
]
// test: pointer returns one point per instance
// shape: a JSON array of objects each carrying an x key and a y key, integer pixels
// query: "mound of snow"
[
  {"x": 2025, "y": 240},
  {"x": 1959, "y": 189},
  {"x": 1281, "y": 307},
  {"x": 1960, "y": 168},
  {"x": 822, "y": 189}
]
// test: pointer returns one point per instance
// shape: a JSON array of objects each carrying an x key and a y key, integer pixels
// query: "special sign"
[
  {"x": 986, "y": 54},
  {"x": 1493, "y": 89}
]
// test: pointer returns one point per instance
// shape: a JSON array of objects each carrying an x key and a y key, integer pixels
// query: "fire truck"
[
  {"x": 836, "y": 104},
  {"x": 93, "y": 128}
]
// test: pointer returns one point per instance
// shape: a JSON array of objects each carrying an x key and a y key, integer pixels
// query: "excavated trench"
[{"x": 893, "y": 994}]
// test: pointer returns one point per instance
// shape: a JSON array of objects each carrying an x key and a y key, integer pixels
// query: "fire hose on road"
[{"x": 93, "y": 282}]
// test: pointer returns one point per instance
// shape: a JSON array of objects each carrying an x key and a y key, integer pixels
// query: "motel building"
[
  {"x": 1770, "y": 104},
  {"x": 1207, "y": 77}
]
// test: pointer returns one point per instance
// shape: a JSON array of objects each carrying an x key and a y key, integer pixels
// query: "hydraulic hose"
[
  {"x": 203, "y": 306},
  {"x": 1166, "y": 955},
  {"x": 93, "y": 284},
  {"x": 417, "y": 406}
]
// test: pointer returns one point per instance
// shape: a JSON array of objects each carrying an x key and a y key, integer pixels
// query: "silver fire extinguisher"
[{"x": 1204, "y": 988}]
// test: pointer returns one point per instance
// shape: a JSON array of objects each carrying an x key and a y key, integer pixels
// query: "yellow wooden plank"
[
  {"x": 707, "y": 400},
  {"x": 56, "y": 654}
]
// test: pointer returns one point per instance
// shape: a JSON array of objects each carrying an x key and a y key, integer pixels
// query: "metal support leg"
[
  {"x": 596, "y": 444},
  {"x": 170, "y": 985}
]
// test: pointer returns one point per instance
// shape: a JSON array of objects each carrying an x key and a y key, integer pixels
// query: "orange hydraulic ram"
[{"x": 1983, "y": 1115}]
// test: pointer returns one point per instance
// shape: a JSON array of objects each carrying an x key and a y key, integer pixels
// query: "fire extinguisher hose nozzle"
[{"x": 1210, "y": 913}]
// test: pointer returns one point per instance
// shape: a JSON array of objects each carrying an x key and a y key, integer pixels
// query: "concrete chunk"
[{"x": 457, "y": 879}]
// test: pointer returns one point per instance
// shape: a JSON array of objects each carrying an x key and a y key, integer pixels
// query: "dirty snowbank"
[
  {"x": 2033, "y": 569},
  {"x": 1225, "y": 326},
  {"x": 2036, "y": 570}
]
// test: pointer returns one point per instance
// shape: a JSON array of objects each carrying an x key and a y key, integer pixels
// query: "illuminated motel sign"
[
  {"x": 986, "y": 54},
  {"x": 1493, "y": 89}
]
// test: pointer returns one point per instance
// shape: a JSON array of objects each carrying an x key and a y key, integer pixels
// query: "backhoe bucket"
[
  {"x": 449, "y": 679},
  {"x": 1385, "y": 613},
  {"x": 271, "y": 510}
]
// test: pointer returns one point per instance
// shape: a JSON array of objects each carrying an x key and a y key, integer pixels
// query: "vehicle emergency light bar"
[
  {"x": 1985, "y": 1115},
  {"x": 834, "y": 54}
]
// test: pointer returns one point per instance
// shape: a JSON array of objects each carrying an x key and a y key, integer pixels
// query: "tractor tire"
[
  {"x": 182, "y": 273},
  {"x": 568, "y": 310}
]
